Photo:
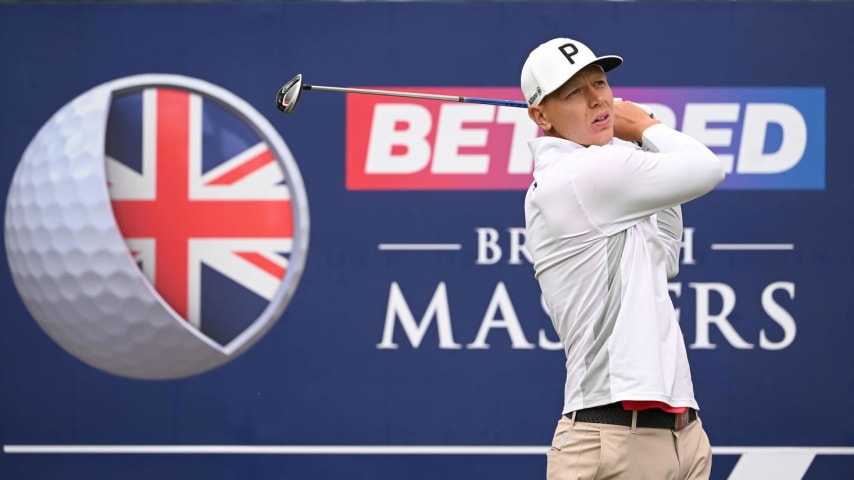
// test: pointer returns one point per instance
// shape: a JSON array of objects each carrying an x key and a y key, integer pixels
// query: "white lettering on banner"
[
  {"x": 501, "y": 301},
  {"x": 698, "y": 115},
  {"x": 704, "y": 318},
  {"x": 398, "y": 140},
  {"x": 757, "y": 117},
  {"x": 500, "y": 313},
  {"x": 688, "y": 246},
  {"x": 385, "y": 136},
  {"x": 779, "y": 315},
  {"x": 517, "y": 246},
  {"x": 489, "y": 252},
  {"x": 407, "y": 126},
  {"x": 494, "y": 247},
  {"x": 397, "y": 308},
  {"x": 450, "y": 136}
]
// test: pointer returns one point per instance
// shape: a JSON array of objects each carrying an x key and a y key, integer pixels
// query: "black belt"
[{"x": 614, "y": 414}]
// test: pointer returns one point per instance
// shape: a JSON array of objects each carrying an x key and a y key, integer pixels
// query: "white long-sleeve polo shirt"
[{"x": 604, "y": 227}]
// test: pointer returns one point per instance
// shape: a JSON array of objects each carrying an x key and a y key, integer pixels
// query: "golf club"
[{"x": 290, "y": 93}]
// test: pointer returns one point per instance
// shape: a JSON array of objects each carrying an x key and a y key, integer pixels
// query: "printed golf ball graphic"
[{"x": 156, "y": 227}]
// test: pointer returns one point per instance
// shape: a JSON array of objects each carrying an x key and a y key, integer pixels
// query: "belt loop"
[
  {"x": 634, "y": 421},
  {"x": 572, "y": 420}
]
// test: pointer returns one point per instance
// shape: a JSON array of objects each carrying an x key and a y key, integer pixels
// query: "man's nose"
[{"x": 594, "y": 97}]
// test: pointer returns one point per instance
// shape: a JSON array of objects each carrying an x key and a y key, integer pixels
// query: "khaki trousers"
[{"x": 594, "y": 451}]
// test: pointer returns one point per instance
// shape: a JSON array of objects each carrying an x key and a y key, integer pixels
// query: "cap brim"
[{"x": 608, "y": 62}]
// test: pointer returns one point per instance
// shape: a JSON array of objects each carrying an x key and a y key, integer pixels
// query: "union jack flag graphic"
[{"x": 202, "y": 204}]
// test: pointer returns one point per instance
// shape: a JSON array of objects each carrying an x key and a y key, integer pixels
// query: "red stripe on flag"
[
  {"x": 234, "y": 175},
  {"x": 173, "y": 158},
  {"x": 263, "y": 263}
]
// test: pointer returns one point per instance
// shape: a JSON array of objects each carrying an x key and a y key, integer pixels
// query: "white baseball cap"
[{"x": 551, "y": 64}]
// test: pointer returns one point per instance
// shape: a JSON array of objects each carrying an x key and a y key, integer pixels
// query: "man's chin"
[{"x": 603, "y": 138}]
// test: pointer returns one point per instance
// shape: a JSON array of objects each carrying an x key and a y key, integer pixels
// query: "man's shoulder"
[
  {"x": 546, "y": 146},
  {"x": 558, "y": 160}
]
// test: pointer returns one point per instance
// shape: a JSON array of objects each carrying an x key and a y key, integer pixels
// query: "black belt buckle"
[{"x": 684, "y": 419}]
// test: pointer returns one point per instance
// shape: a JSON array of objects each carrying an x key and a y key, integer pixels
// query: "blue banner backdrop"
[{"x": 414, "y": 345}]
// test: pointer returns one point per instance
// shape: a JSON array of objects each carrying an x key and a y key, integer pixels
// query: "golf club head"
[{"x": 289, "y": 95}]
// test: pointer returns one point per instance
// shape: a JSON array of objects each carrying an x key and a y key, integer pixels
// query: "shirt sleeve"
[{"x": 619, "y": 185}]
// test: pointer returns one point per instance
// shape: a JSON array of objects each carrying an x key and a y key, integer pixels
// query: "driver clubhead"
[{"x": 289, "y": 95}]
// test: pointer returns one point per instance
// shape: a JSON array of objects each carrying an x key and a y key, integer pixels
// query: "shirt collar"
[{"x": 546, "y": 149}]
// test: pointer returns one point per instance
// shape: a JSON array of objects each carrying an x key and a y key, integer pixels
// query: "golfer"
[{"x": 604, "y": 227}]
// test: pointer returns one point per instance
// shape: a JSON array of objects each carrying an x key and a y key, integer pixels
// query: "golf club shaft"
[{"x": 427, "y": 96}]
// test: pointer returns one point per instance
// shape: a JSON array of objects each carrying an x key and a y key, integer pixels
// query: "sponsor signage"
[{"x": 767, "y": 138}]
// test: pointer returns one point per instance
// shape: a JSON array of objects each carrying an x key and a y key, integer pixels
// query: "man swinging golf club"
[{"x": 604, "y": 227}]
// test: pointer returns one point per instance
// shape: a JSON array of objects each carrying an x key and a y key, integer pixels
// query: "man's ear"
[{"x": 536, "y": 113}]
